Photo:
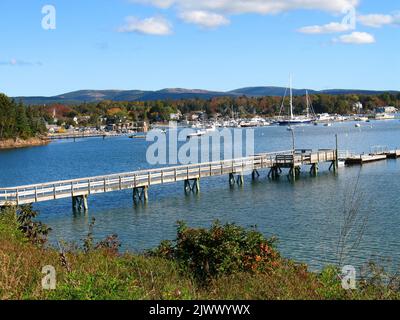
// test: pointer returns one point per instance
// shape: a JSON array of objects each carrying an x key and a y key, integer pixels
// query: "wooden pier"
[
  {"x": 83, "y": 135},
  {"x": 140, "y": 181}
]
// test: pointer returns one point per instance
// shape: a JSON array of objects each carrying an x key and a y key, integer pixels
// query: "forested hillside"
[{"x": 18, "y": 121}]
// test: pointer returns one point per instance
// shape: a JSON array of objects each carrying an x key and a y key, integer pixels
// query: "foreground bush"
[{"x": 220, "y": 250}]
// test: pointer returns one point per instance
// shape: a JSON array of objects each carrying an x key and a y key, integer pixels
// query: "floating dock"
[
  {"x": 360, "y": 159},
  {"x": 364, "y": 158},
  {"x": 394, "y": 154}
]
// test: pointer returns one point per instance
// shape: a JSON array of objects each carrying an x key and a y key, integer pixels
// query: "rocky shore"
[{"x": 21, "y": 143}]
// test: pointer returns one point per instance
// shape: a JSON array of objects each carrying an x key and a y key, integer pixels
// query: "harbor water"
[{"x": 306, "y": 216}]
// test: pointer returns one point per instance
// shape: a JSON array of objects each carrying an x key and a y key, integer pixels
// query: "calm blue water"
[{"x": 305, "y": 216}]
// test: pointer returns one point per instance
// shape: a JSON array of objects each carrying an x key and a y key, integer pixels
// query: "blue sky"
[{"x": 215, "y": 45}]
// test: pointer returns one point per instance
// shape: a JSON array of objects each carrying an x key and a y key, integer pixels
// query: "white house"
[
  {"x": 175, "y": 116},
  {"x": 387, "y": 109}
]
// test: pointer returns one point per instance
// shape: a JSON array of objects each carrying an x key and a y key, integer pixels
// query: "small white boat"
[
  {"x": 358, "y": 125},
  {"x": 384, "y": 116},
  {"x": 324, "y": 117},
  {"x": 341, "y": 164},
  {"x": 249, "y": 123},
  {"x": 328, "y": 124},
  {"x": 198, "y": 133},
  {"x": 361, "y": 118},
  {"x": 137, "y": 136}
]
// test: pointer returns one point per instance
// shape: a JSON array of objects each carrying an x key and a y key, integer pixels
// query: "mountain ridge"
[{"x": 81, "y": 96}]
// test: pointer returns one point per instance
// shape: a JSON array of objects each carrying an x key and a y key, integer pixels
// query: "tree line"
[
  {"x": 19, "y": 121},
  {"x": 241, "y": 106}
]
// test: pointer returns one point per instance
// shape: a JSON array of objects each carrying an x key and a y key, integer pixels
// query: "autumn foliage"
[{"x": 220, "y": 250}]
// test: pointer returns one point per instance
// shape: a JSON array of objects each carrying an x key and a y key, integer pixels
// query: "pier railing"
[
  {"x": 144, "y": 178},
  {"x": 344, "y": 154},
  {"x": 128, "y": 180}
]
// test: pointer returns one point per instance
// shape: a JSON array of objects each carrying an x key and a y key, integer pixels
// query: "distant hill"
[
  {"x": 269, "y": 91},
  {"x": 346, "y": 91},
  {"x": 176, "y": 93}
]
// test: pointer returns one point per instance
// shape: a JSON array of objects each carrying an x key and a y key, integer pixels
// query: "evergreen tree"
[{"x": 18, "y": 121}]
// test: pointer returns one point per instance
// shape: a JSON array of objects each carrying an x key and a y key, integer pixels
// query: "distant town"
[
  {"x": 117, "y": 120},
  {"x": 106, "y": 118}
]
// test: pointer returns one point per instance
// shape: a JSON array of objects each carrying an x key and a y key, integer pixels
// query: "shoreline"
[{"x": 22, "y": 143}]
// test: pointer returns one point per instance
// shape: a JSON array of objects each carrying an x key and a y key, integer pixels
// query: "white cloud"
[
  {"x": 213, "y": 13},
  {"x": 13, "y": 62},
  {"x": 164, "y": 4},
  {"x": 253, "y": 6},
  {"x": 204, "y": 18},
  {"x": 356, "y": 38},
  {"x": 333, "y": 27},
  {"x": 378, "y": 20},
  {"x": 154, "y": 26}
]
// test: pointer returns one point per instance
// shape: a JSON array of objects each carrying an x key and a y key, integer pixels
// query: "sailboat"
[{"x": 292, "y": 119}]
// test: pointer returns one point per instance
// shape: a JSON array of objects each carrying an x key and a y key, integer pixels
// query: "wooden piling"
[
  {"x": 192, "y": 185},
  {"x": 80, "y": 203},
  {"x": 314, "y": 169},
  {"x": 140, "y": 194},
  {"x": 254, "y": 174}
]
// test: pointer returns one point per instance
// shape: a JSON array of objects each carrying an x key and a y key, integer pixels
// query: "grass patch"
[{"x": 222, "y": 262}]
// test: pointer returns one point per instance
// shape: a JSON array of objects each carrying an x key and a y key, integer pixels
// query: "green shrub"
[
  {"x": 331, "y": 288},
  {"x": 221, "y": 250},
  {"x": 9, "y": 224},
  {"x": 35, "y": 231}
]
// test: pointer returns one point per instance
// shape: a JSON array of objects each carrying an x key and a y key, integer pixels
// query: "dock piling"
[
  {"x": 274, "y": 173},
  {"x": 239, "y": 179},
  {"x": 80, "y": 203},
  {"x": 255, "y": 174},
  {"x": 140, "y": 194},
  {"x": 292, "y": 173},
  {"x": 192, "y": 185},
  {"x": 314, "y": 169}
]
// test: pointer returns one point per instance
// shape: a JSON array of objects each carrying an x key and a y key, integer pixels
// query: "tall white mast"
[
  {"x": 308, "y": 104},
  {"x": 291, "y": 98}
]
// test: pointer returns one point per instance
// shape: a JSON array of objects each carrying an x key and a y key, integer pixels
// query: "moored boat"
[
  {"x": 292, "y": 119},
  {"x": 384, "y": 116},
  {"x": 198, "y": 133}
]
